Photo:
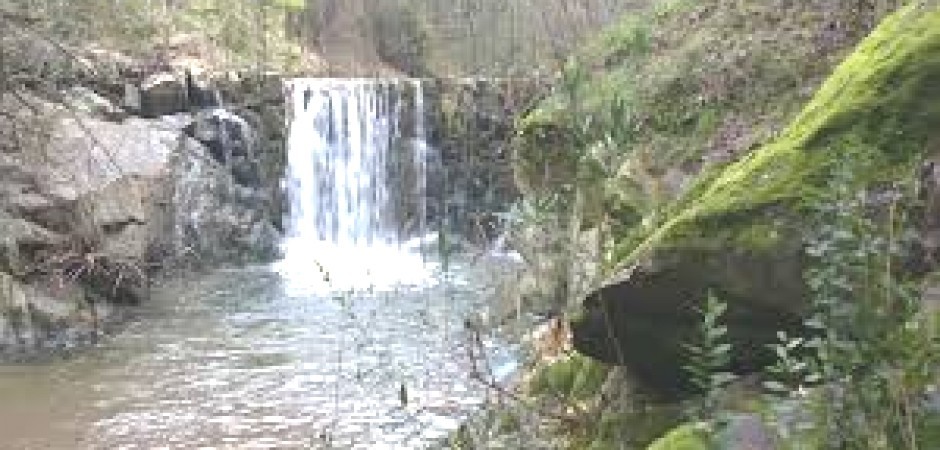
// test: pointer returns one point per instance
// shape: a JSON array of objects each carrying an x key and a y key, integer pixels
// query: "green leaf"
[
  {"x": 723, "y": 349},
  {"x": 794, "y": 343}
]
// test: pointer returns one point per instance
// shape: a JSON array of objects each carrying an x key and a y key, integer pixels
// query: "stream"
[
  {"x": 234, "y": 359},
  {"x": 357, "y": 338}
]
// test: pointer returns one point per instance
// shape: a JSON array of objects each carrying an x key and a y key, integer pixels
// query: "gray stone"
[
  {"x": 225, "y": 134},
  {"x": 84, "y": 100},
  {"x": 746, "y": 432},
  {"x": 129, "y": 193},
  {"x": 644, "y": 319},
  {"x": 31, "y": 314},
  {"x": 162, "y": 94},
  {"x": 132, "y": 99}
]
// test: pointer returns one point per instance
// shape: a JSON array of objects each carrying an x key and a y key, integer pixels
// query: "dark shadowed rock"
[
  {"x": 162, "y": 94},
  {"x": 225, "y": 134},
  {"x": 644, "y": 321}
]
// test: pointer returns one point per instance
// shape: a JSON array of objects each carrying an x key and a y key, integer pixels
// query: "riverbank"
[{"x": 728, "y": 214}]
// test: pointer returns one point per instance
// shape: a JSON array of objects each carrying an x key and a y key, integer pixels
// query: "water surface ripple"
[{"x": 233, "y": 359}]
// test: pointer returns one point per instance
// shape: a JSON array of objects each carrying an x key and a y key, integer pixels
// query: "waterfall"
[{"x": 356, "y": 180}]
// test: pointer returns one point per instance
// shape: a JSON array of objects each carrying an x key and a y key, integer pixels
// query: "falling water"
[
  {"x": 249, "y": 359},
  {"x": 356, "y": 195}
]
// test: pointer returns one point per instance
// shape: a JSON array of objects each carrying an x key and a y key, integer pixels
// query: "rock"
[
  {"x": 115, "y": 182},
  {"x": 738, "y": 233},
  {"x": 132, "y": 99},
  {"x": 123, "y": 209},
  {"x": 246, "y": 172},
  {"x": 84, "y": 100},
  {"x": 162, "y": 94},
  {"x": 34, "y": 315},
  {"x": 225, "y": 134},
  {"x": 211, "y": 216},
  {"x": 643, "y": 321},
  {"x": 20, "y": 241},
  {"x": 200, "y": 94},
  {"x": 745, "y": 432}
]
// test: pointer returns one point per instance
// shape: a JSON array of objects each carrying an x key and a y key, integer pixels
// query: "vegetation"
[
  {"x": 220, "y": 35},
  {"x": 457, "y": 37},
  {"x": 684, "y": 131},
  {"x": 666, "y": 100},
  {"x": 677, "y": 155}
]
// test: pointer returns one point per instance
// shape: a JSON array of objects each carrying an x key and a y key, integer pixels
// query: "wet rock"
[
  {"x": 211, "y": 217},
  {"x": 225, "y": 134},
  {"x": 31, "y": 315}
]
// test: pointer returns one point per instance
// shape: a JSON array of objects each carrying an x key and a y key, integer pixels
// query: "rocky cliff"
[{"x": 100, "y": 194}]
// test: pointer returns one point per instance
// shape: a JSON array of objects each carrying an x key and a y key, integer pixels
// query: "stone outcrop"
[
  {"x": 643, "y": 322},
  {"x": 94, "y": 201}
]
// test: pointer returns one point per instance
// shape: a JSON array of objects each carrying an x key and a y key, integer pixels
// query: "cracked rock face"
[{"x": 90, "y": 195}]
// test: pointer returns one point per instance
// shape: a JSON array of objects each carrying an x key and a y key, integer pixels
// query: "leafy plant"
[
  {"x": 709, "y": 355},
  {"x": 870, "y": 358}
]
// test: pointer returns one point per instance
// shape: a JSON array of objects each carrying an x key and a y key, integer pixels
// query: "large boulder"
[
  {"x": 737, "y": 231},
  {"x": 212, "y": 218},
  {"x": 231, "y": 141},
  {"x": 645, "y": 321}
]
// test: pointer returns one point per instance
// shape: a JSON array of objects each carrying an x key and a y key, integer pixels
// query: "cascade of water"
[
  {"x": 421, "y": 158},
  {"x": 357, "y": 181}
]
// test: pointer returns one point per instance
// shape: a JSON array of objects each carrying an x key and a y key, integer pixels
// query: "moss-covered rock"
[
  {"x": 873, "y": 118},
  {"x": 738, "y": 230},
  {"x": 632, "y": 429},
  {"x": 644, "y": 323}
]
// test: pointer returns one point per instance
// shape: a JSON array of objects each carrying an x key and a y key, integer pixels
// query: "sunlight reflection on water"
[{"x": 242, "y": 359}]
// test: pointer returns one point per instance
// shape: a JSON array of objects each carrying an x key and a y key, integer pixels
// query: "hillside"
[{"x": 764, "y": 155}]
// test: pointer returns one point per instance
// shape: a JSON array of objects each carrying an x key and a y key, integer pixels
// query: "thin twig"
[{"x": 489, "y": 381}]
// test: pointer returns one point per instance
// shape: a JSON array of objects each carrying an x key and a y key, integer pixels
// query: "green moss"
[
  {"x": 574, "y": 378},
  {"x": 873, "y": 118},
  {"x": 588, "y": 380},
  {"x": 636, "y": 428},
  {"x": 928, "y": 431},
  {"x": 682, "y": 85},
  {"x": 685, "y": 437},
  {"x": 508, "y": 421}
]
